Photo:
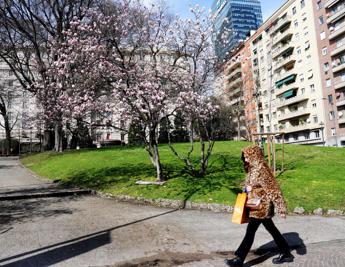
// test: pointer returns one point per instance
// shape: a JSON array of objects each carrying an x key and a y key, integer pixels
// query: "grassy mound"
[{"x": 313, "y": 177}]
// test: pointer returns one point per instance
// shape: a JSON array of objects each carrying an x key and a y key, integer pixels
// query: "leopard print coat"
[{"x": 264, "y": 185}]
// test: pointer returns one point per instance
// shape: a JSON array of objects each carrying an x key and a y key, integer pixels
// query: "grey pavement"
[
  {"x": 94, "y": 231},
  {"x": 16, "y": 182}
]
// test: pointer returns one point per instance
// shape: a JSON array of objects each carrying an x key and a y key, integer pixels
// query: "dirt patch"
[{"x": 170, "y": 259}]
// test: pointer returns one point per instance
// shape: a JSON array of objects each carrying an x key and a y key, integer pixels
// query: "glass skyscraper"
[{"x": 239, "y": 17}]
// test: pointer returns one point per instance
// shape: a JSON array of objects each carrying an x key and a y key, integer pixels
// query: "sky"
[{"x": 181, "y": 7}]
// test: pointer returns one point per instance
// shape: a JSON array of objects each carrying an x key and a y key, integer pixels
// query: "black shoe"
[
  {"x": 283, "y": 258},
  {"x": 235, "y": 262}
]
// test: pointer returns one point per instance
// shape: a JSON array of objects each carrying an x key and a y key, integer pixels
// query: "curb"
[{"x": 65, "y": 193}]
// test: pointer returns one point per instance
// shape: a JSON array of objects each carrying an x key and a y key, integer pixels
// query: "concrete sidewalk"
[
  {"x": 16, "y": 182},
  {"x": 93, "y": 231}
]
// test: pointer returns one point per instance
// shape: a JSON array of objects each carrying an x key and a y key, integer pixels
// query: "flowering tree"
[
  {"x": 27, "y": 28},
  {"x": 140, "y": 63}
]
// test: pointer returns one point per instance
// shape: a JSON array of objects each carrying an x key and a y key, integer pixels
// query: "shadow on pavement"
[
  {"x": 59, "y": 252},
  {"x": 20, "y": 211},
  {"x": 270, "y": 249},
  {"x": 53, "y": 256}
]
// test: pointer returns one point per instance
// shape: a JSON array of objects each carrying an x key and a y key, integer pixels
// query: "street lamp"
[{"x": 322, "y": 126}]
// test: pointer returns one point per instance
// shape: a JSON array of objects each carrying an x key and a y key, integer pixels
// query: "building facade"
[
  {"x": 237, "y": 17},
  {"x": 298, "y": 72}
]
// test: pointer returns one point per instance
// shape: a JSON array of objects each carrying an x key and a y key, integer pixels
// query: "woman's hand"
[{"x": 248, "y": 188}]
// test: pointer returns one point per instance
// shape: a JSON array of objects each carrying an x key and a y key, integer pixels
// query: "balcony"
[
  {"x": 339, "y": 85},
  {"x": 236, "y": 101},
  {"x": 235, "y": 92},
  {"x": 284, "y": 61},
  {"x": 281, "y": 23},
  {"x": 338, "y": 50},
  {"x": 298, "y": 128},
  {"x": 292, "y": 100},
  {"x": 286, "y": 74},
  {"x": 234, "y": 73},
  {"x": 234, "y": 83},
  {"x": 293, "y": 114},
  {"x": 282, "y": 36},
  {"x": 336, "y": 16},
  {"x": 340, "y": 102},
  {"x": 330, "y": 3},
  {"x": 338, "y": 67},
  {"x": 286, "y": 88},
  {"x": 279, "y": 50},
  {"x": 337, "y": 32},
  {"x": 341, "y": 121},
  {"x": 233, "y": 66}
]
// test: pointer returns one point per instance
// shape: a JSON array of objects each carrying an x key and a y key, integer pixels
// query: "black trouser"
[{"x": 248, "y": 239}]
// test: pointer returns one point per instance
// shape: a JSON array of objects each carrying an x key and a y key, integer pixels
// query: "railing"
[
  {"x": 281, "y": 36},
  {"x": 336, "y": 15},
  {"x": 295, "y": 99},
  {"x": 336, "y": 32},
  {"x": 293, "y": 114},
  {"x": 340, "y": 102},
  {"x": 283, "y": 61},
  {"x": 280, "y": 23}
]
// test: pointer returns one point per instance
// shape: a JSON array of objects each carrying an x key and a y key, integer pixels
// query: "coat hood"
[{"x": 253, "y": 155}]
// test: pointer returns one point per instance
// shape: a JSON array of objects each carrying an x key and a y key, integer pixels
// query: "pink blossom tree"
[{"x": 142, "y": 64}]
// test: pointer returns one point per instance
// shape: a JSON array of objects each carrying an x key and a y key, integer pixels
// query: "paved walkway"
[
  {"x": 16, "y": 182},
  {"x": 92, "y": 231}
]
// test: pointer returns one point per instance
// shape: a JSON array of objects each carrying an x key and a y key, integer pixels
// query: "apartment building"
[
  {"x": 238, "y": 91},
  {"x": 330, "y": 20},
  {"x": 298, "y": 65},
  {"x": 19, "y": 106}
]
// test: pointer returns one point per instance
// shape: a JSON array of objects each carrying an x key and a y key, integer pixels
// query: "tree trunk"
[
  {"x": 154, "y": 154},
  {"x": 158, "y": 164},
  {"x": 58, "y": 137},
  {"x": 8, "y": 136}
]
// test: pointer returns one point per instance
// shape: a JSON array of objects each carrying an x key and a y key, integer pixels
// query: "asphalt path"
[{"x": 94, "y": 231}]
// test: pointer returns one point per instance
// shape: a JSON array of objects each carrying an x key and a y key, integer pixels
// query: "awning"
[
  {"x": 288, "y": 93},
  {"x": 287, "y": 79}
]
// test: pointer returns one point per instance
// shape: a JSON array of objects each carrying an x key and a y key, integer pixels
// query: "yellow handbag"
[{"x": 240, "y": 214}]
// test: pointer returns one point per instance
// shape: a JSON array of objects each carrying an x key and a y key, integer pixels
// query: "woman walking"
[{"x": 261, "y": 184}]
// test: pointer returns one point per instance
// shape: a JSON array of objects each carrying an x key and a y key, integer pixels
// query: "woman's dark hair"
[{"x": 243, "y": 157}]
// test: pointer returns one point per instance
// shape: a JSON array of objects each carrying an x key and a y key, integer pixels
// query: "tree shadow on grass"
[{"x": 104, "y": 177}]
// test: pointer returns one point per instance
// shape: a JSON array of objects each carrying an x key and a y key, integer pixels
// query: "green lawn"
[{"x": 314, "y": 176}]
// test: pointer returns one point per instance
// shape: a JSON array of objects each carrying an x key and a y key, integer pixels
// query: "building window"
[
  {"x": 299, "y": 51},
  {"x": 306, "y": 45},
  {"x": 319, "y": 5},
  {"x": 333, "y": 131},
  {"x": 331, "y": 115},
  {"x": 321, "y": 20},
  {"x": 302, "y": 90},
  {"x": 315, "y": 119},
  {"x": 322, "y": 35},
  {"x": 294, "y": 10},
  {"x": 317, "y": 134},
  {"x": 302, "y": 3},
  {"x": 328, "y": 83},
  {"x": 305, "y": 19},
  {"x": 312, "y": 88},
  {"x": 313, "y": 103},
  {"x": 296, "y": 23},
  {"x": 306, "y": 136},
  {"x": 324, "y": 51},
  {"x": 330, "y": 99},
  {"x": 326, "y": 66}
]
